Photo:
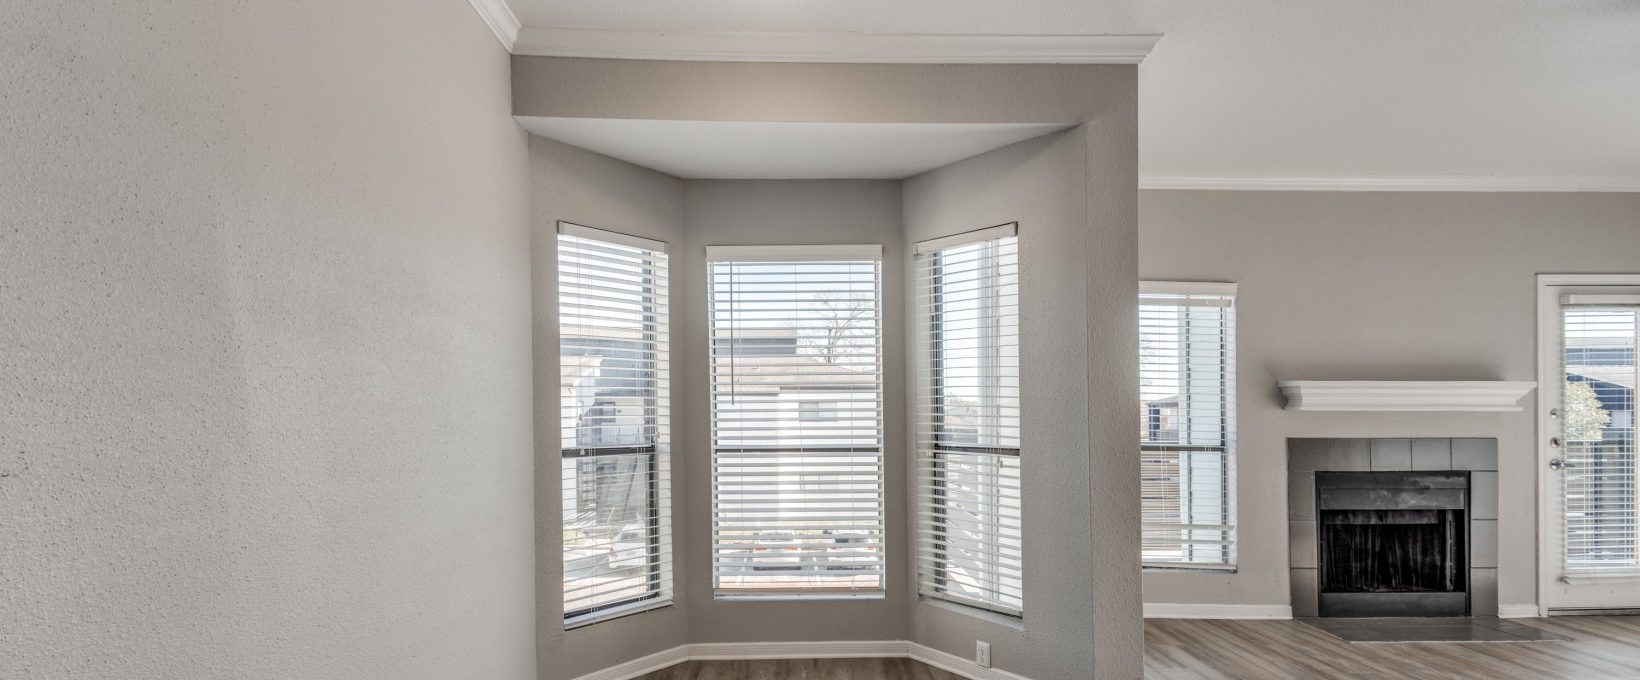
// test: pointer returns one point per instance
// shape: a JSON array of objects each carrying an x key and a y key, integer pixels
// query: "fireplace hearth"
[{"x": 1392, "y": 543}]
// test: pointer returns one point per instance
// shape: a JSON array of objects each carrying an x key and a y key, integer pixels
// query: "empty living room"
[{"x": 819, "y": 340}]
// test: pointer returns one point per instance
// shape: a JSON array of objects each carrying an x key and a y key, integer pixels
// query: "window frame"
[
  {"x": 1599, "y": 533},
  {"x": 656, "y": 321},
  {"x": 798, "y": 254},
  {"x": 928, "y": 316},
  {"x": 1228, "y": 435}
]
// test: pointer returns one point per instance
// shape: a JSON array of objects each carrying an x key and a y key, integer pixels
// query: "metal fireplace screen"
[{"x": 1393, "y": 543}]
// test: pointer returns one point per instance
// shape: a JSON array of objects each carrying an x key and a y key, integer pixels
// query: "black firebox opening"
[
  {"x": 1392, "y": 543},
  {"x": 1393, "y": 551}
]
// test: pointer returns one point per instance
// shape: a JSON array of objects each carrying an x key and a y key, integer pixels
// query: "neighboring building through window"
[
  {"x": 797, "y": 406},
  {"x": 614, "y": 401},
  {"x": 1187, "y": 425},
  {"x": 968, "y": 516}
]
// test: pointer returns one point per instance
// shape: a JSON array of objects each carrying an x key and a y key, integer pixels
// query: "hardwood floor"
[
  {"x": 803, "y": 669},
  {"x": 1601, "y": 648}
]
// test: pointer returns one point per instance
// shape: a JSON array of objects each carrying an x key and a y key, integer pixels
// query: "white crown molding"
[
  {"x": 1517, "y": 611},
  {"x": 862, "y": 649},
  {"x": 501, "y": 20},
  {"x": 1456, "y": 183},
  {"x": 1169, "y": 610},
  {"x": 876, "y": 48},
  {"x": 1403, "y": 395}
]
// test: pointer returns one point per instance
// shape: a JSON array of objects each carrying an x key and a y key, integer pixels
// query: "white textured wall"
[
  {"x": 1376, "y": 286},
  {"x": 264, "y": 386}
]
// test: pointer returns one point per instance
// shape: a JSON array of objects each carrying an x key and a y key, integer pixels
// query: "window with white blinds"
[
  {"x": 1597, "y": 425},
  {"x": 1187, "y": 424},
  {"x": 612, "y": 352},
  {"x": 797, "y": 462},
  {"x": 967, "y": 410}
]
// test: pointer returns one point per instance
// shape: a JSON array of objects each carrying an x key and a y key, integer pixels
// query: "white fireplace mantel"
[{"x": 1404, "y": 395}]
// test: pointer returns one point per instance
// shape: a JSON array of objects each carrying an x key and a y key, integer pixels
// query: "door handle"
[{"x": 1556, "y": 464}]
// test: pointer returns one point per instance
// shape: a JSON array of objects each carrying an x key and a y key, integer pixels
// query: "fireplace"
[
  {"x": 1392, "y": 543},
  {"x": 1476, "y": 528}
]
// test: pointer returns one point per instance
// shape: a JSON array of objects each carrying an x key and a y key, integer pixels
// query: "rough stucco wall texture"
[{"x": 264, "y": 279}]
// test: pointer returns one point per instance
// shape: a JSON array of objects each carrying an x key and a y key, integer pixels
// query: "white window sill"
[
  {"x": 617, "y": 612},
  {"x": 1194, "y": 569},
  {"x": 1600, "y": 578}
]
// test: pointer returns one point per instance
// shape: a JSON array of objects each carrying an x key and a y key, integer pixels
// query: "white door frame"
[{"x": 1549, "y": 373}]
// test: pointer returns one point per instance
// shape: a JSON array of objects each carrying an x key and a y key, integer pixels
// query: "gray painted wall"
[
  {"x": 720, "y": 212},
  {"x": 1112, "y": 158},
  {"x": 579, "y": 186},
  {"x": 1377, "y": 286},
  {"x": 1076, "y": 264},
  {"x": 834, "y": 93},
  {"x": 266, "y": 300}
]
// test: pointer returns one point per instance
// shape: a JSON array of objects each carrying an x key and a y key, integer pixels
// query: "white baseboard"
[
  {"x": 1169, "y": 610},
  {"x": 642, "y": 665},
  {"x": 957, "y": 664},
  {"x": 723, "y": 651},
  {"x": 1517, "y": 611},
  {"x": 864, "y": 649}
]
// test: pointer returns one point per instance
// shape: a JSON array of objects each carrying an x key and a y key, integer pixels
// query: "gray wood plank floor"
[
  {"x": 803, "y": 669},
  {"x": 1601, "y": 648}
]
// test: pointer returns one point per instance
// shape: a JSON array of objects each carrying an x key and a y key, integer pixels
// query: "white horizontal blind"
[
  {"x": 1597, "y": 426},
  {"x": 968, "y": 422},
  {"x": 1187, "y": 425},
  {"x": 797, "y": 466},
  {"x": 613, "y": 368}
]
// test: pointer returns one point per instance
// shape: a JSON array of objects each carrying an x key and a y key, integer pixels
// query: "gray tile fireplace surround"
[{"x": 1305, "y": 457}]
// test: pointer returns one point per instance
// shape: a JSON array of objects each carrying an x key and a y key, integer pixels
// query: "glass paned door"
[
  {"x": 1597, "y": 440},
  {"x": 1589, "y": 547}
]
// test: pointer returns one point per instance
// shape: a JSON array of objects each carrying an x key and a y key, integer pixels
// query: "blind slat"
[
  {"x": 1600, "y": 505},
  {"x": 1187, "y": 424},
  {"x": 968, "y": 501},
  {"x": 796, "y": 384},
  {"x": 614, "y": 403}
]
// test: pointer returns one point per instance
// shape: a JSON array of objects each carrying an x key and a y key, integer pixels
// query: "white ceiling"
[
  {"x": 726, "y": 150},
  {"x": 1373, "y": 93}
]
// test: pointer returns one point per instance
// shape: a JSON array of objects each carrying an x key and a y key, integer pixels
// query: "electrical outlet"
[{"x": 982, "y": 654}]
